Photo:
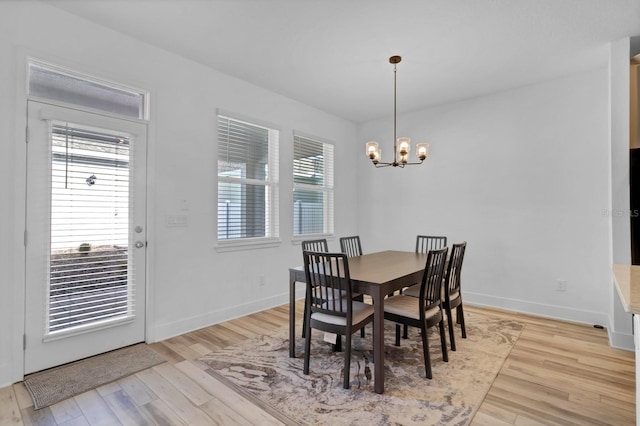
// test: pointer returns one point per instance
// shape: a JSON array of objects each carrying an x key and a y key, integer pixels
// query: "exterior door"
[{"x": 85, "y": 236}]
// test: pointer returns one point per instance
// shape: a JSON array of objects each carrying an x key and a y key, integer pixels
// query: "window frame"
[
  {"x": 34, "y": 62},
  {"x": 272, "y": 213},
  {"x": 327, "y": 189}
]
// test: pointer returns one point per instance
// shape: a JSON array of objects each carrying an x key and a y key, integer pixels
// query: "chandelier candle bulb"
[
  {"x": 404, "y": 146},
  {"x": 372, "y": 149},
  {"x": 422, "y": 150},
  {"x": 377, "y": 155}
]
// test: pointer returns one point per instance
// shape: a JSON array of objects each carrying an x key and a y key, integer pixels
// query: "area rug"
[
  {"x": 261, "y": 370},
  {"x": 57, "y": 384}
]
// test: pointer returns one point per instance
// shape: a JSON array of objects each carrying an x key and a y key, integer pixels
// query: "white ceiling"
[{"x": 333, "y": 54}]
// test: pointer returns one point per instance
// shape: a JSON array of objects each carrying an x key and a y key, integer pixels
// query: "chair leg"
[
  {"x": 460, "y": 314},
  {"x": 405, "y": 334},
  {"x": 450, "y": 324},
  {"x": 338, "y": 346},
  {"x": 307, "y": 350},
  {"x": 304, "y": 320},
  {"x": 443, "y": 341},
  {"x": 398, "y": 334},
  {"x": 425, "y": 350},
  {"x": 347, "y": 360},
  {"x": 360, "y": 299}
]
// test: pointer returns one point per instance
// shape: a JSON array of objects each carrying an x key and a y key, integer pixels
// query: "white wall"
[
  {"x": 523, "y": 177},
  {"x": 190, "y": 284}
]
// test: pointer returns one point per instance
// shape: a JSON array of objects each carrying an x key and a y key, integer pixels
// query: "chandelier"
[{"x": 401, "y": 146}]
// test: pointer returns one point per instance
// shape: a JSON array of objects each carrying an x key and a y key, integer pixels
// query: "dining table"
[{"x": 377, "y": 275}]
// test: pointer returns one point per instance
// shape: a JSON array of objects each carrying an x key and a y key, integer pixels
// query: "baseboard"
[
  {"x": 540, "y": 309},
  {"x": 621, "y": 341},
  {"x": 185, "y": 325}
]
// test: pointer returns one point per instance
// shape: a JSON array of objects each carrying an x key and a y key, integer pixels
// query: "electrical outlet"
[{"x": 561, "y": 285}]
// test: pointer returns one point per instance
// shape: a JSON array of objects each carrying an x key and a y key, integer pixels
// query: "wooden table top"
[{"x": 385, "y": 266}]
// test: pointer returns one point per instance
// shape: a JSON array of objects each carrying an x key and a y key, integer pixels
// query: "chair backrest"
[
  {"x": 431, "y": 285},
  {"x": 424, "y": 243},
  {"x": 328, "y": 283},
  {"x": 351, "y": 246},
  {"x": 455, "y": 268},
  {"x": 315, "y": 245}
]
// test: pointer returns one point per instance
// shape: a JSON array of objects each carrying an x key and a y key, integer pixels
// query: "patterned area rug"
[{"x": 260, "y": 369}]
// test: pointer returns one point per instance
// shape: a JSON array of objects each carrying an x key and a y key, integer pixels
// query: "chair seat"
[
  {"x": 360, "y": 312},
  {"x": 414, "y": 291},
  {"x": 407, "y": 306}
]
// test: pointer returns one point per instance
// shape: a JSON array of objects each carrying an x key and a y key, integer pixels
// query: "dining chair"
[
  {"x": 315, "y": 245},
  {"x": 452, "y": 292},
  {"x": 327, "y": 274},
  {"x": 424, "y": 243},
  {"x": 321, "y": 245},
  {"x": 312, "y": 245},
  {"x": 424, "y": 311},
  {"x": 351, "y": 246}
]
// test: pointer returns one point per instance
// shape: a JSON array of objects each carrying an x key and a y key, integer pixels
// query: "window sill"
[
  {"x": 298, "y": 239},
  {"x": 247, "y": 244}
]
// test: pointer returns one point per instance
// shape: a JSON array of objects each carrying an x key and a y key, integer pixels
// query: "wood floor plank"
[
  {"x": 184, "y": 384},
  {"x": 485, "y": 419},
  {"x": 78, "y": 421},
  {"x": 41, "y": 417},
  {"x": 200, "y": 349},
  {"x": 174, "y": 399},
  {"x": 108, "y": 388},
  {"x": 498, "y": 414},
  {"x": 137, "y": 390},
  {"x": 66, "y": 411},
  {"x": 22, "y": 395},
  {"x": 95, "y": 410},
  {"x": 223, "y": 394},
  {"x": 223, "y": 415},
  {"x": 126, "y": 409},
  {"x": 9, "y": 408},
  {"x": 162, "y": 414}
]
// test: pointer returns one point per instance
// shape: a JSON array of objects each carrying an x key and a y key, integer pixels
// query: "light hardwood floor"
[{"x": 558, "y": 373}]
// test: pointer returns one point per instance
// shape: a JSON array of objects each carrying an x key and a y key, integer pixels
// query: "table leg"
[
  {"x": 292, "y": 315},
  {"x": 378, "y": 338}
]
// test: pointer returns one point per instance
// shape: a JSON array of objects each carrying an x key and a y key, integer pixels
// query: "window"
[
  {"x": 312, "y": 186},
  {"x": 247, "y": 180},
  {"x": 51, "y": 82}
]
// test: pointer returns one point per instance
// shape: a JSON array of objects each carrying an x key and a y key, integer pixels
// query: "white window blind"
[
  {"x": 89, "y": 262},
  {"x": 312, "y": 186},
  {"x": 247, "y": 180}
]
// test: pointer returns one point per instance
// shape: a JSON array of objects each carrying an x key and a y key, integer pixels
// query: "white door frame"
[
  {"x": 42, "y": 350},
  {"x": 18, "y": 150}
]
